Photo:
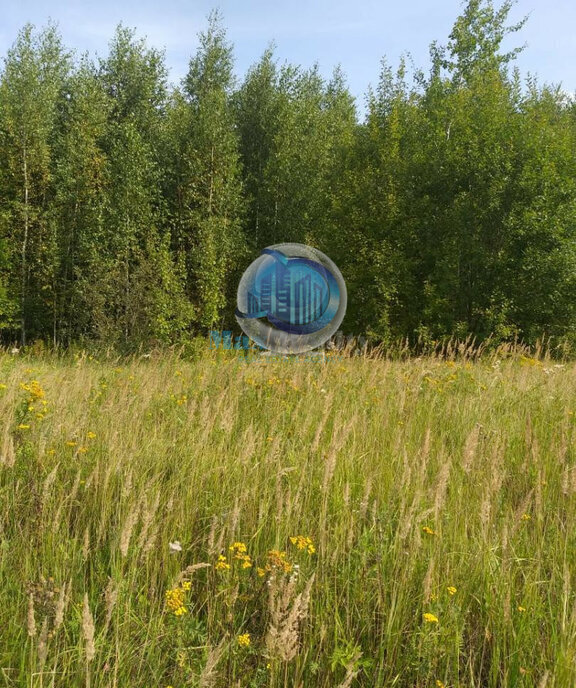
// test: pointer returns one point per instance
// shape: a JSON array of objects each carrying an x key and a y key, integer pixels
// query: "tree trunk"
[{"x": 24, "y": 248}]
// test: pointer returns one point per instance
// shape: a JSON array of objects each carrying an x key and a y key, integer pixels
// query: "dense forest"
[{"x": 130, "y": 207}]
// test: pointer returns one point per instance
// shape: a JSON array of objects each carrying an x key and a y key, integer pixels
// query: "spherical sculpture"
[{"x": 291, "y": 299}]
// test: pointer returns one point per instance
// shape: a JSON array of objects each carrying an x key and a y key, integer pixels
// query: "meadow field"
[{"x": 353, "y": 522}]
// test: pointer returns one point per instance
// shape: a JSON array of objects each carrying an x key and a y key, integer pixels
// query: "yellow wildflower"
[
  {"x": 526, "y": 517},
  {"x": 22, "y": 426},
  {"x": 277, "y": 559},
  {"x": 71, "y": 443},
  {"x": 34, "y": 389},
  {"x": 221, "y": 564},
  {"x": 451, "y": 589},
  {"x": 244, "y": 640},
  {"x": 428, "y": 530},
  {"x": 521, "y": 609},
  {"x": 175, "y": 601},
  {"x": 91, "y": 435},
  {"x": 303, "y": 543},
  {"x": 430, "y": 618},
  {"x": 239, "y": 549}
]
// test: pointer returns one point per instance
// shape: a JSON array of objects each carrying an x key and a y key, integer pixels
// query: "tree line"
[{"x": 130, "y": 207}]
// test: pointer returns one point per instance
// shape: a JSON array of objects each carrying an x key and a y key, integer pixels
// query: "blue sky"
[{"x": 355, "y": 35}]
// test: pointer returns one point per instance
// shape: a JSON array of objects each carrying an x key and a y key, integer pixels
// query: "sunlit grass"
[{"x": 352, "y": 522}]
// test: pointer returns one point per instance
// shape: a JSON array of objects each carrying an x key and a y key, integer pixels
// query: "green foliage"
[
  {"x": 129, "y": 208},
  {"x": 30, "y": 90},
  {"x": 476, "y": 38},
  {"x": 447, "y": 559},
  {"x": 209, "y": 184}
]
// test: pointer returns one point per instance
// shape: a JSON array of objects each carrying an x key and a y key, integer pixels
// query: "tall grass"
[{"x": 347, "y": 522}]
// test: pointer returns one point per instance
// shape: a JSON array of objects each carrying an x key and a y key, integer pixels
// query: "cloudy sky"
[{"x": 355, "y": 34}]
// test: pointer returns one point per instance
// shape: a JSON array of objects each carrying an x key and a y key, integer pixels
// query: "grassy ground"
[{"x": 296, "y": 524}]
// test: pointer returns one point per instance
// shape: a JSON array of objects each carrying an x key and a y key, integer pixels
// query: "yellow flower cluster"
[
  {"x": 526, "y": 360},
  {"x": 430, "y": 618},
  {"x": 276, "y": 560},
  {"x": 428, "y": 530},
  {"x": 175, "y": 598},
  {"x": 35, "y": 394},
  {"x": 34, "y": 389},
  {"x": 303, "y": 542},
  {"x": 221, "y": 564},
  {"x": 286, "y": 380},
  {"x": 244, "y": 640},
  {"x": 240, "y": 553}
]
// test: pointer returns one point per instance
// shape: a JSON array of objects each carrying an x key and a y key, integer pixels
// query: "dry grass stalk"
[
  {"x": 48, "y": 482},
  {"x": 30, "y": 618},
  {"x": 320, "y": 429},
  {"x": 126, "y": 484},
  {"x": 88, "y": 630},
  {"x": 428, "y": 581},
  {"x": 7, "y": 453},
  {"x": 470, "y": 447},
  {"x": 148, "y": 514},
  {"x": 248, "y": 444},
  {"x": 60, "y": 607},
  {"x": 346, "y": 494},
  {"x": 365, "y": 499},
  {"x": 110, "y": 599},
  {"x": 86, "y": 544},
  {"x": 286, "y": 613},
  {"x": 212, "y": 549},
  {"x": 189, "y": 570},
  {"x": 208, "y": 676},
  {"x": 129, "y": 524},
  {"x": 441, "y": 486},
  {"x": 43, "y": 644}
]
